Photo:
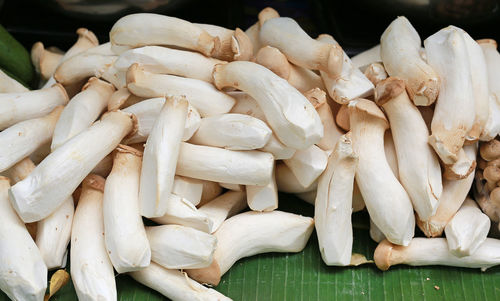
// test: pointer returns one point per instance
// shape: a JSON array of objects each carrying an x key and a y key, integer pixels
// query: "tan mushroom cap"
[
  {"x": 369, "y": 108},
  {"x": 490, "y": 150}
]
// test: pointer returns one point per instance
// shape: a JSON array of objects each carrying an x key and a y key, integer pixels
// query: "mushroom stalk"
[
  {"x": 291, "y": 116},
  {"x": 211, "y": 190},
  {"x": 82, "y": 111},
  {"x": 278, "y": 149},
  {"x": 288, "y": 182},
  {"x": 263, "y": 198},
  {"x": 224, "y": 207},
  {"x": 160, "y": 157},
  {"x": 82, "y": 66},
  {"x": 58, "y": 175},
  {"x": 17, "y": 107},
  {"x": 333, "y": 204},
  {"x": 375, "y": 232},
  {"x": 367, "y": 57},
  {"x": 45, "y": 61},
  {"x": 124, "y": 233},
  {"x": 179, "y": 247},
  {"x": 10, "y": 85},
  {"x": 252, "y": 233},
  {"x": 386, "y": 200},
  {"x": 189, "y": 189},
  {"x": 122, "y": 98},
  {"x": 103, "y": 168},
  {"x": 91, "y": 270},
  {"x": 308, "y": 164}
]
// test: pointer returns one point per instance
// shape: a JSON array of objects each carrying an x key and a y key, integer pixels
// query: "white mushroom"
[
  {"x": 189, "y": 189},
  {"x": 308, "y": 164},
  {"x": 122, "y": 98},
  {"x": 10, "y": 85},
  {"x": 278, "y": 149},
  {"x": 375, "y": 232},
  {"x": 138, "y": 30},
  {"x": 288, "y": 182},
  {"x": 160, "y": 157},
  {"x": 124, "y": 233},
  {"x": 454, "y": 113},
  {"x": 252, "y": 233},
  {"x": 223, "y": 207},
  {"x": 418, "y": 165},
  {"x": 399, "y": 49},
  {"x": 492, "y": 57},
  {"x": 103, "y": 168},
  {"x": 211, "y": 190},
  {"x": 58, "y": 175},
  {"x": 367, "y": 57},
  {"x": 386, "y": 200},
  {"x": 467, "y": 230},
  {"x": 342, "y": 118},
  {"x": 291, "y": 116},
  {"x": 82, "y": 111},
  {"x": 180, "y": 247},
  {"x": 91, "y": 270},
  {"x": 23, "y": 138},
  {"x": 333, "y": 204},
  {"x": 263, "y": 198},
  {"x": 44, "y": 60},
  {"x": 82, "y": 66},
  {"x": 17, "y": 107},
  {"x": 234, "y": 44},
  {"x": 23, "y": 274},
  {"x": 376, "y": 73},
  {"x": 200, "y": 94}
]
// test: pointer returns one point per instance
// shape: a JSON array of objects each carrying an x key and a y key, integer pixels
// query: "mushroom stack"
[{"x": 189, "y": 124}]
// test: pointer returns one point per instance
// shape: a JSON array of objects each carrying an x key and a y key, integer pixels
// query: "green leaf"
[{"x": 304, "y": 276}]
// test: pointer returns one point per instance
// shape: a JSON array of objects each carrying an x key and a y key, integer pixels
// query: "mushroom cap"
[
  {"x": 95, "y": 182},
  {"x": 490, "y": 150},
  {"x": 275, "y": 60},
  {"x": 369, "y": 108},
  {"x": 489, "y": 42},
  {"x": 382, "y": 256},
  {"x": 87, "y": 34},
  {"x": 209, "y": 275}
]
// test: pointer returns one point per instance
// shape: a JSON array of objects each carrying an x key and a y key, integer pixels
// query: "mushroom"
[
  {"x": 180, "y": 247},
  {"x": 82, "y": 66},
  {"x": 44, "y": 60},
  {"x": 147, "y": 111},
  {"x": 23, "y": 138},
  {"x": 452, "y": 197},
  {"x": 467, "y": 230},
  {"x": 367, "y": 57},
  {"x": 252, "y": 233},
  {"x": 189, "y": 189},
  {"x": 232, "y": 131},
  {"x": 300, "y": 49},
  {"x": 386, "y": 200},
  {"x": 223, "y": 207},
  {"x": 122, "y": 98},
  {"x": 234, "y": 44},
  {"x": 91, "y": 269},
  {"x": 144, "y": 29},
  {"x": 124, "y": 233},
  {"x": 351, "y": 83},
  {"x": 375, "y": 234},
  {"x": 492, "y": 176},
  {"x": 103, "y": 168},
  {"x": 222, "y": 165},
  {"x": 23, "y": 274},
  {"x": 399, "y": 50},
  {"x": 263, "y": 198},
  {"x": 17, "y": 107},
  {"x": 82, "y": 111},
  {"x": 434, "y": 251},
  {"x": 460, "y": 169},
  {"x": 278, "y": 149},
  {"x": 60, "y": 173},
  {"x": 375, "y": 73},
  {"x": 333, "y": 204},
  {"x": 490, "y": 150},
  {"x": 211, "y": 190},
  {"x": 175, "y": 285},
  {"x": 390, "y": 153},
  {"x": 454, "y": 112},
  {"x": 201, "y": 95},
  {"x": 418, "y": 165},
  {"x": 308, "y": 196},
  {"x": 10, "y": 85},
  {"x": 308, "y": 164},
  {"x": 287, "y": 182},
  {"x": 253, "y": 31},
  {"x": 293, "y": 119},
  {"x": 486, "y": 199},
  {"x": 169, "y": 61},
  {"x": 342, "y": 118}
]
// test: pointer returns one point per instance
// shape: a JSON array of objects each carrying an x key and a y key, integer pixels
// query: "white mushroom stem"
[
  {"x": 333, "y": 204},
  {"x": 147, "y": 111},
  {"x": 452, "y": 197},
  {"x": 467, "y": 230},
  {"x": 20, "y": 170},
  {"x": 10, "y": 85},
  {"x": 180, "y": 247},
  {"x": 17, "y": 107},
  {"x": 138, "y": 30},
  {"x": 23, "y": 138},
  {"x": 418, "y": 165},
  {"x": 287, "y": 182},
  {"x": 300, "y": 49},
  {"x": 82, "y": 66},
  {"x": 122, "y": 98},
  {"x": 454, "y": 112},
  {"x": 366, "y": 57},
  {"x": 232, "y": 131},
  {"x": 375, "y": 232},
  {"x": 492, "y": 57},
  {"x": 175, "y": 285},
  {"x": 200, "y": 94},
  {"x": 376, "y": 73},
  {"x": 234, "y": 44},
  {"x": 45, "y": 61},
  {"x": 252, "y": 233},
  {"x": 58, "y": 175},
  {"x": 23, "y": 274},
  {"x": 351, "y": 83},
  {"x": 82, "y": 111},
  {"x": 308, "y": 164},
  {"x": 103, "y": 168},
  {"x": 169, "y": 61},
  {"x": 460, "y": 169},
  {"x": 211, "y": 190},
  {"x": 124, "y": 233},
  {"x": 399, "y": 49},
  {"x": 263, "y": 198},
  {"x": 91, "y": 270},
  {"x": 278, "y": 149},
  {"x": 390, "y": 153},
  {"x": 291, "y": 116},
  {"x": 189, "y": 189},
  {"x": 386, "y": 200},
  {"x": 223, "y": 207},
  {"x": 434, "y": 251},
  {"x": 221, "y": 165},
  {"x": 182, "y": 212}
]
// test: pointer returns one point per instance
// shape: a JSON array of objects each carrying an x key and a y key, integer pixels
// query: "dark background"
[{"x": 356, "y": 24}]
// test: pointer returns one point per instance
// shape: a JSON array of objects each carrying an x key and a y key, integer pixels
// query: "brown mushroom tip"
[
  {"x": 495, "y": 196},
  {"x": 447, "y": 144},
  {"x": 487, "y": 41},
  {"x": 490, "y": 150},
  {"x": 218, "y": 76},
  {"x": 324, "y": 36},
  {"x": 342, "y": 118},
  {"x": 241, "y": 46},
  {"x": 138, "y": 146},
  {"x": 62, "y": 90},
  {"x": 492, "y": 173},
  {"x": 3, "y": 178},
  {"x": 382, "y": 256},
  {"x": 266, "y": 14},
  {"x": 135, "y": 125},
  {"x": 93, "y": 181},
  {"x": 133, "y": 73},
  {"x": 96, "y": 81},
  {"x": 335, "y": 61},
  {"x": 209, "y": 275},
  {"x": 451, "y": 174},
  {"x": 87, "y": 34},
  {"x": 316, "y": 97},
  {"x": 274, "y": 60},
  {"x": 118, "y": 98},
  {"x": 388, "y": 89},
  {"x": 368, "y": 107},
  {"x": 122, "y": 148}
]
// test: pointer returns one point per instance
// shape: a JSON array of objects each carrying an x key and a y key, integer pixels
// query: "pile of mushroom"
[{"x": 189, "y": 124}]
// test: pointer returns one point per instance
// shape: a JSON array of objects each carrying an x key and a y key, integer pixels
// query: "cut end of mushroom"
[
  {"x": 382, "y": 256},
  {"x": 447, "y": 145},
  {"x": 210, "y": 275},
  {"x": 241, "y": 45},
  {"x": 335, "y": 61},
  {"x": 427, "y": 93},
  {"x": 368, "y": 107},
  {"x": 388, "y": 89}
]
